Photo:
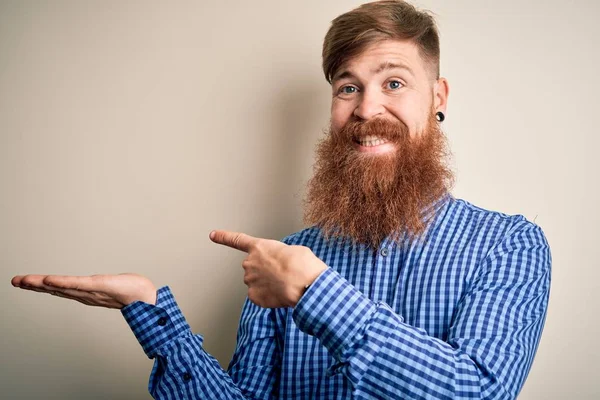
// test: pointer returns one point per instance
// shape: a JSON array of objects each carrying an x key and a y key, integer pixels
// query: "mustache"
[{"x": 380, "y": 127}]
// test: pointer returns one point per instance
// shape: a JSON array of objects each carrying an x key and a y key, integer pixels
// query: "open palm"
[{"x": 110, "y": 291}]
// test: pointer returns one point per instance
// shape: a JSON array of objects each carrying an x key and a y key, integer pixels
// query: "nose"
[{"x": 370, "y": 105}]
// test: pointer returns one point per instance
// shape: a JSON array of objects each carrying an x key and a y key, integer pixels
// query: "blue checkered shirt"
[{"x": 457, "y": 315}]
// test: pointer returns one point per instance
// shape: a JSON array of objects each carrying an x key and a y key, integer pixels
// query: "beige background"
[{"x": 130, "y": 129}]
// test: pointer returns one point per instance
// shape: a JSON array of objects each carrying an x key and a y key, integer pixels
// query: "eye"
[
  {"x": 347, "y": 89},
  {"x": 395, "y": 84}
]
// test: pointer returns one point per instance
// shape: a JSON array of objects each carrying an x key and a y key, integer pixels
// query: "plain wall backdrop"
[{"x": 130, "y": 129}]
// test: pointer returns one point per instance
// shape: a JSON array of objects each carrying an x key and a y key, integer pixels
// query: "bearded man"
[{"x": 396, "y": 290}]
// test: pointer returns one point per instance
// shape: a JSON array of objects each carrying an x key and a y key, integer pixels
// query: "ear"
[{"x": 441, "y": 90}]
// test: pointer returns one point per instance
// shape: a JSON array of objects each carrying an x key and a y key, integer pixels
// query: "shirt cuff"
[
  {"x": 335, "y": 312},
  {"x": 156, "y": 325}
]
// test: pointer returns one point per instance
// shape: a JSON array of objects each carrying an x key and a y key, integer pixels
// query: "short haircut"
[{"x": 352, "y": 32}]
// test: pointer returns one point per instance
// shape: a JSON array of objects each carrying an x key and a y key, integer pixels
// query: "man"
[{"x": 397, "y": 290}]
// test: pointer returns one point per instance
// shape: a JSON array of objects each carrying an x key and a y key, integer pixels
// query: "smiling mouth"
[
  {"x": 373, "y": 144},
  {"x": 370, "y": 141}
]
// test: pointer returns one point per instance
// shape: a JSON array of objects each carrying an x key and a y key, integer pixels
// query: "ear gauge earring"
[{"x": 440, "y": 116}]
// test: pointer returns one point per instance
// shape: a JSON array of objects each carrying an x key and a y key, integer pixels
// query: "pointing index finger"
[{"x": 235, "y": 240}]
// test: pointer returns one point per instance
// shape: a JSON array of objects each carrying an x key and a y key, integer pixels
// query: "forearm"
[
  {"x": 405, "y": 361},
  {"x": 384, "y": 357},
  {"x": 182, "y": 368},
  {"x": 375, "y": 351}
]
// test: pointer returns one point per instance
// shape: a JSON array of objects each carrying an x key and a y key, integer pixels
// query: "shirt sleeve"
[
  {"x": 184, "y": 370},
  {"x": 491, "y": 343}
]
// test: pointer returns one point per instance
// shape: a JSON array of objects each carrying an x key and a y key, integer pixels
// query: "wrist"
[
  {"x": 150, "y": 297},
  {"x": 145, "y": 294},
  {"x": 310, "y": 275}
]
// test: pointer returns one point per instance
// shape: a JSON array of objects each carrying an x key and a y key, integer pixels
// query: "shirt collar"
[{"x": 433, "y": 208}]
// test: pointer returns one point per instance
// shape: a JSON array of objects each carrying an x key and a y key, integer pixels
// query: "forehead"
[{"x": 388, "y": 54}]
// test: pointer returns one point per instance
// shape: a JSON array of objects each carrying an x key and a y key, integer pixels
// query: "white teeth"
[
  {"x": 370, "y": 138},
  {"x": 369, "y": 141}
]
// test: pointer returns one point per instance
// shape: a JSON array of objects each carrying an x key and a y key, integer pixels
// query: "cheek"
[
  {"x": 407, "y": 119},
  {"x": 411, "y": 115},
  {"x": 336, "y": 125},
  {"x": 339, "y": 116},
  {"x": 338, "y": 121},
  {"x": 421, "y": 120}
]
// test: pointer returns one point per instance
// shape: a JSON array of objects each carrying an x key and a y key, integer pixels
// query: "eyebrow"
[{"x": 384, "y": 66}]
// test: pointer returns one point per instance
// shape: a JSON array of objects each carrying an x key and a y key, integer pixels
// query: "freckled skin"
[{"x": 397, "y": 94}]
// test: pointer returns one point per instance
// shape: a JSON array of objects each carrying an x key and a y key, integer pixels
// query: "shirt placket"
[{"x": 378, "y": 264}]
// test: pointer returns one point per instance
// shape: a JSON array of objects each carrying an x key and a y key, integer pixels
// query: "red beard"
[{"x": 365, "y": 197}]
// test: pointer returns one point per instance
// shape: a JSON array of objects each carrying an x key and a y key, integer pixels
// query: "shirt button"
[
  {"x": 384, "y": 252},
  {"x": 187, "y": 376},
  {"x": 162, "y": 321}
]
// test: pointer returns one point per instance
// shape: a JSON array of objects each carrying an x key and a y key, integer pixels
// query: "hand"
[
  {"x": 275, "y": 273},
  {"x": 110, "y": 291}
]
